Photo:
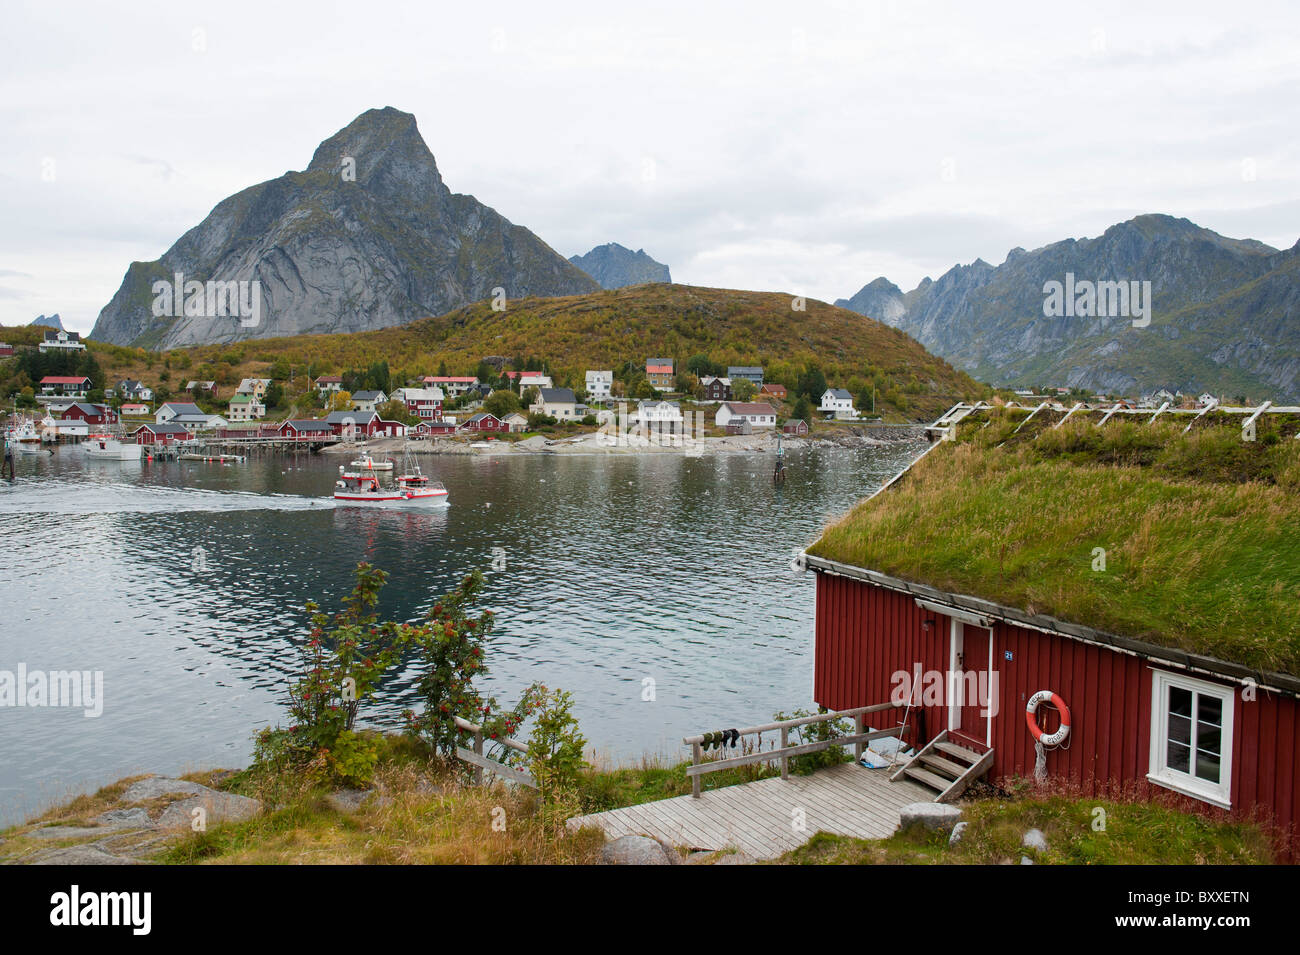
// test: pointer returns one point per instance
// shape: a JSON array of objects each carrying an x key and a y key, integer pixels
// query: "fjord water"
[{"x": 184, "y": 583}]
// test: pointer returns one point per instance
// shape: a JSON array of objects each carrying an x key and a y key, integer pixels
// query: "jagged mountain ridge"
[
  {"x": 615, "y": 266},
  {"x": 368, "y": 236},
  {"x": 1225, "y": 314}
]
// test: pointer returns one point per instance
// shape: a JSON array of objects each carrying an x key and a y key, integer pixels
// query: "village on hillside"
[{"x": 656, "y": 398}]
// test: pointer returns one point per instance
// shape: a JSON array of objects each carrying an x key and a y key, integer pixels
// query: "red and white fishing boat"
[{"x": 413, "y": 489}]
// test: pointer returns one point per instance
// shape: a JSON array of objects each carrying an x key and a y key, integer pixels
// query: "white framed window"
[{"x": 1191, "y": 737}]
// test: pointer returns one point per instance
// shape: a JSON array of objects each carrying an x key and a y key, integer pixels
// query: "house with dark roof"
[
  {"x": 752, "y": 373},
  {"x": 367, "y": 400},
  {"x": 353, "y": 424},
  {"x": 171, "y": 410},
  {"x": 161, "y": 434},
  {"x": 94, "y": 415},
  {"x": 61, "y": 341},
  {"x": 715, "y": 388},
  {"x": 484, "y": 422},
  {"x": 559, "y": 403},
  {"x": 837, "y": 403},
  {"x": 133, "y": 390},
  {"x": 306, "y": 429}
]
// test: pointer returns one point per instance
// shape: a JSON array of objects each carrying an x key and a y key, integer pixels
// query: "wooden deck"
[{"x": 760, "y": 818}]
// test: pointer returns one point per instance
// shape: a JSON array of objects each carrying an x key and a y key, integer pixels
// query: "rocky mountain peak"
[{"x": 368, "y": 236}]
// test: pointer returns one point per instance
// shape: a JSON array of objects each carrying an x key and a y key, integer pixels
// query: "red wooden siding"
[{"x": 865, "y": 634}]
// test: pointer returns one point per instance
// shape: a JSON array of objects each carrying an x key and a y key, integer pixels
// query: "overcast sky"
[{"x": 748, "y": 145}]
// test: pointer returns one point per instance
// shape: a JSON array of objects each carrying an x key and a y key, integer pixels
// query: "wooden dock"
[{"x": 762, "y": 819}]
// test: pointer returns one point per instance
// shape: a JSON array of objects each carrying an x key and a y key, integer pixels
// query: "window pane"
[
  {"x": 1207, "y": 766},
  {"x": 1180, "y": 701},
  {"x": 1209, "y": 709},
  {"x": 1178, "y": 757},
  {"x": 1208, "y": 739},
  {"x": 1180, "y": 729}
]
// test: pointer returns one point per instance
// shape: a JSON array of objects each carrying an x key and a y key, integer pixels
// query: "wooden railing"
[
  {"x": 699, "y": 767},
  {"x": 480, "y": 762}
]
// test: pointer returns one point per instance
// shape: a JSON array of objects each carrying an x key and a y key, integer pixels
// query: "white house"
[
  {"x": 662, "y": 416},
  {"x": 534, "y": 379},
  {"x": 328, "y": 384},
  {"x": 454, "y": 385},
  {"x": 559, "y": 403},
  {"x": 135, "y": 390},
  {"x": 61, "y": 341},
  {"x": 174, "y": 409},
  {"x": 515, "y": 422},
  {"x": 758, "y": 413},
  {"x": 599, "y": 384},
  {"x": 245, "y": 408},
  {"x": 368, "y": 400},
  {"x": 837, "y": 402}
]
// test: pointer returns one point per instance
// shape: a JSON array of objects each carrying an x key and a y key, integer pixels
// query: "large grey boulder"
[
  {"x": 348, "y": 800},
  {"x": 217, "y": 806},
  {"x": 936, "y": 816},
  {"x": 81, "y": 855},
  {"x": 1034, "y": 839},
  {"x": 635, "y": 850}
]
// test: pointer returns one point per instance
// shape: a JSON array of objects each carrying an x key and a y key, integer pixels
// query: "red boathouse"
[{"x": 1150, "y": 708}]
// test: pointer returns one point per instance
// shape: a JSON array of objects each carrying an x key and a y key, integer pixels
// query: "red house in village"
[
  {"x": 160, "y": 434},
  {"x": 307, "y": 429},
  {"x": 484, "y": 422},
  {"x": 94, "y": 415},
  {"x": 1144, "y": 714},
  {"x": 425, "y": 429}
]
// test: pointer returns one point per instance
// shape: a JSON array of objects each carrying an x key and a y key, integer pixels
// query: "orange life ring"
[{"x": 1031, "y": 717}]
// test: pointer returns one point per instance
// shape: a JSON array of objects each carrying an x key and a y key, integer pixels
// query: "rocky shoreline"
[{"x": 597, "y": 443}]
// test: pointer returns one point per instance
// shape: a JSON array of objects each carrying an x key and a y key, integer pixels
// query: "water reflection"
[{"x": 611, "y": 570}]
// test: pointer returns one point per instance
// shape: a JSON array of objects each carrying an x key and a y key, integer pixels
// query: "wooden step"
[
  {"x": 962, "y": 782},
  {"x": 953, "y": 770},
  {"x": 969, "y": 756},
  {"x": 937, "y": 783}
]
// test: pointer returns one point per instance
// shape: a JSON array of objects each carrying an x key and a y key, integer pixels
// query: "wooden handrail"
[
  {"x": 480, "y": 762},
  {"x": 785, "y": 751},
  {"x": 804, "y": 720}
]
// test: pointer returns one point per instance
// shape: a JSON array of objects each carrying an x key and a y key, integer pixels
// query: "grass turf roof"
[{"x": 1201, "y": 532}]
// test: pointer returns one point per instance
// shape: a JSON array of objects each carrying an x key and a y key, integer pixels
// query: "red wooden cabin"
[{"x": 1144, "y": 718}]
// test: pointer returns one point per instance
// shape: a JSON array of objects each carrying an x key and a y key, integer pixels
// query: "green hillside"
[{"x": 615, "y": 330}]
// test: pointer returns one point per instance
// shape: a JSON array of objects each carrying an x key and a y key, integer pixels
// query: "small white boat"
[
  {"x": 27, "y": 439},
  {"x": 105, "y": 447},
  {"x": 368, "y": 463}
]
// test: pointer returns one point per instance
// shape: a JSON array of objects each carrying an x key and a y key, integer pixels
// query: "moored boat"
[
  {"x": 27, "y": 439},
  {"x": 105, "y": 447},
  {"x": 368, "y": 463}
]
